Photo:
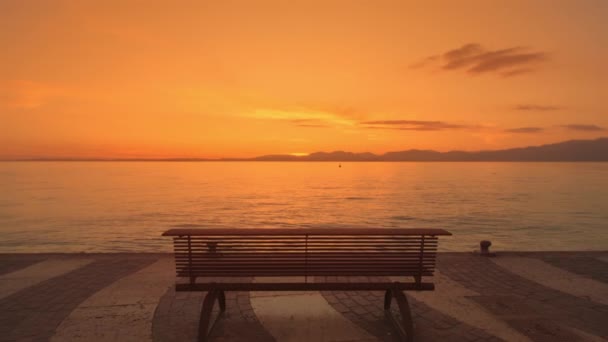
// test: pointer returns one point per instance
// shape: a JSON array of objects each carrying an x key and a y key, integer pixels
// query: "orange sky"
[{"x": 118, "y": 78}]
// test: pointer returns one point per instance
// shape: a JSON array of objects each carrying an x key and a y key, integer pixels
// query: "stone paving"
[
  {"x": 10, "y": 263},
  {"x": 476, "y": 299},
  {"x": 583, "y": 264},
  {"x": 366, "y": 309},
  {"x": 539, "y": 312},
  {"x": 35, "y": 312}
]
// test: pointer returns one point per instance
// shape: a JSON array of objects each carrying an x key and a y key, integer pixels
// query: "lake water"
[{"x": 125, "y": 206}]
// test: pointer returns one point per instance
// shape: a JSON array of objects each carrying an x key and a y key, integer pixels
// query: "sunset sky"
[{"x": 124, "y": 79}]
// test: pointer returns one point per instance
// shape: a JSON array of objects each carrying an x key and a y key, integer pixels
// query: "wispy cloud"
[
  {"x": 585, "y": 128},
  {"x": 475, "y": 59},
  {"x": 516, "y": 72},
  {"x": 412, "y": 125},
  {"x": 536, "y": 108},
  {"x": 309, "y": 123},
  {"x": 313, "y": 125},
  {"x": 303, "y": 117},
  {"x": 525, "y": 130},
  {"x": 27, "y": 94},
  {"x": 426, "y": 61}
]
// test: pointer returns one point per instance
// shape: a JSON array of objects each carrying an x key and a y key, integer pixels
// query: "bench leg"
[
  {"x": 388, "y": 296},
  {"x": 205, "y": 324},
  {"x": 406, "y": 315},
  {"x": 222, "y": 300}
]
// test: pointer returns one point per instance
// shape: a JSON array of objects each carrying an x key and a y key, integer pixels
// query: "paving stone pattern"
[
  {"x": 177, "y": 317},
  {"x": 583, "y": 264},
  {"x": 11, "y": 262},
  {"x": 34, "y": 313},
  {"x": 538, "y": 312},
  {"x": 541, "y": 313},
  {"x": 366, "y": 309}
]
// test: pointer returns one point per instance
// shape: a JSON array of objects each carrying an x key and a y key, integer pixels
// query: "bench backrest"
[{"x": 305, "y": 252}]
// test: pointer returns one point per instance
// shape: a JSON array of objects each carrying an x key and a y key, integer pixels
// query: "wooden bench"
[{"x": 221, "y": 256}]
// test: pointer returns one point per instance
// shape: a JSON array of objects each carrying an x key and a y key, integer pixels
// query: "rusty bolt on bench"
[{"x": 484, "y": 247}]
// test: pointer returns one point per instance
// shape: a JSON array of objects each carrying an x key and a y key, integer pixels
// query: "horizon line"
[{"x": 303, "y": 158}]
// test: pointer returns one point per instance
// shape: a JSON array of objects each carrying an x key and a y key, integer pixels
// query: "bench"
[{"x": 222, "y": 257}]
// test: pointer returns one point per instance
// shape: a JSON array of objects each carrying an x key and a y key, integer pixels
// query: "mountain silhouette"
[{"x": 573, "y": 150}]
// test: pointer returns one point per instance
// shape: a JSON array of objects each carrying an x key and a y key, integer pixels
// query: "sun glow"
[{"x": 111, "y": 79}]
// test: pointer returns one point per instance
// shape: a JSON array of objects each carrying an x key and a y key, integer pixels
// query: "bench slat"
[
  {"x": 305, "y": 252},
  {"x": 303, "y": 260},
  {"x": 303, "y": 231},
  {"x": 367, "y": 286}
]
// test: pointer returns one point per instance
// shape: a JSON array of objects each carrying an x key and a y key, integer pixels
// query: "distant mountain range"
[{"x": 571, "y": 151}]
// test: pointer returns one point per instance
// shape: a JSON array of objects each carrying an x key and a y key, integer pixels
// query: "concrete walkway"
[
  {"x": 122, "y": 311},
  {"x": 37, "y": 273},
  {"x": 129, "y": 297},
  {"x": 556, "y": 278}
]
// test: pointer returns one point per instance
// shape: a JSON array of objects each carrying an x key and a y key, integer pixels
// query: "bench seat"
[{"x": 216, "y": 260}]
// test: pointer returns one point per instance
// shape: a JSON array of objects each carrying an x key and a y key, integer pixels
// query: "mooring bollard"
[{"x": 484, "y": 248}]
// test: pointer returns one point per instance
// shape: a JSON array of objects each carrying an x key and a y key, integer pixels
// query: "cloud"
[
  {"x": 27, "y": 94},
  {"x": 585, "y": 128},
  {"x": 536, "y": 108},
  {"x": 309, "y": 123},
  {"x": 525, "y": 130},
  {"x": 303, "y": 117},
  {"x": 516, "y": 72},
  {"x": 424, "y": 62},
  {"x": 313, "y": 125},
  {"x": 412, "y": 125},
  {"x": 573, "y": 127},
  {"x": 475, "y": 59}
]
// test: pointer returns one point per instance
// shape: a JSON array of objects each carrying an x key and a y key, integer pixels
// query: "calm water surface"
[{"x": 125, "y": 206}]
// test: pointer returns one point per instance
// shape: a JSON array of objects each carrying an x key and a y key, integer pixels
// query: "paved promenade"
[{"x": 545, "y": 296}]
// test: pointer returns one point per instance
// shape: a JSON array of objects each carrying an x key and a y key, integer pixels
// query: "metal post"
[
  {"x": 190, "y": 259},
  {"x": 306, "y": 259},
  {"x": 420, "y": 268}
]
